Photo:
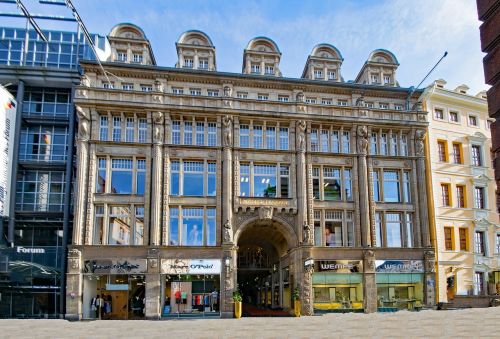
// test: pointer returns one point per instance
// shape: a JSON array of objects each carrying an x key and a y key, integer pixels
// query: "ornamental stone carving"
[
  {"x": 430, "y": 263},
  {"x": 369, "y": 257},
  {"x": 360, "y": 102},
  {"x": 306, "y": 234},
  {"x": 227, "y": 231},
  {"x": 83, "y": 123},
  {"x": 227, "y": 122},
  {"x": 158, "y": 127},
  {"x": 419, "y": 141},
  {"x": 299, "y": 97},
  {"x": 228, "y": 91},
  {"x": 301, "y": 135},
  {"x": 266, "y": 212},
  {"x": 306, "y": 290},
  {"x": 158, "y": 86},
  {"x": 362, "y": 140},
  {"x": 153, "y": 263},
  {"x": 84, "y": 81}
]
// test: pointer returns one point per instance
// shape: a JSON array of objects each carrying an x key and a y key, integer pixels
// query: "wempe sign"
[{"x": 7, "y": 127}]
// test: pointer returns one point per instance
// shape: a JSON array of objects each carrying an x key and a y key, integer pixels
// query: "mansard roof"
[
  {"x": 262, "y": 44},
  {"x": 128, "y": 31},
  {"x": 195, "y": 37},
  {"x": 383, "y": 56},
  {"x": 328, "y": 51}
]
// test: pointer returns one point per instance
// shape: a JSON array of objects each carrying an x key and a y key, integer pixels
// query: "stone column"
[
  {"x": 229, "y": 283},
  {"x": 369, "y": 282},
  {"x": 153, "y": 285},
  {"x": 227, "y": 179},
  {"x": 156, "y": 179},
  {"x": 421, "y": 179},
  {"x": 364, "y": 201},
  {"x": 302, "y": 184},
  {"x": 306, "y": 288},
  {"x": 74, "y": 286},
  {"x": 429, "y": 278},
  {"x": 82, "y": 145}
]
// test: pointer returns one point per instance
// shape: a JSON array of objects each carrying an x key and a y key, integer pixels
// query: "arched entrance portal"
[{"x": 263, "y": 267}]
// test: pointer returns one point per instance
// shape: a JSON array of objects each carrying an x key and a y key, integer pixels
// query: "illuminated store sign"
[
  {"x": 191, "y": 266},
  {"x": 115, "y": 266},
  {"x": 340, "y": 266},
  {"x": 399, "y": 266}
]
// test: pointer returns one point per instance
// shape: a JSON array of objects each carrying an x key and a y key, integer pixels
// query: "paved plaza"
[{"x": 468, "y": 323}]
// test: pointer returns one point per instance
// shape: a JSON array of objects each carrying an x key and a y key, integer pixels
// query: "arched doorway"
[{"x": 263, "y": 266}]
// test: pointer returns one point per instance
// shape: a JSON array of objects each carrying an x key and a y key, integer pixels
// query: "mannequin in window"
[
  {"x": 194, "y": 236},
  {"x": 177, "y": 296},
  {"x": 214, "y": 299},
  {"x": 329, "y": 237}
]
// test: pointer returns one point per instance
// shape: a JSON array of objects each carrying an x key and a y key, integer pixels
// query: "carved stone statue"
[
  {"x": 158, "y": 86},
  {"x": 301, "y": 135},
  {"x": 306, "y": 233},
  {"x": 299, "y": 97},
  {"x": 228, "y": 91},
  {"x": 227, "y": 231},
  {"x": 84, "y": 81},
  {"x": 369, "y": 256},
  {"x": 362, "y": 140},
  {"x": 158, "y": 127},
  {"x": 83, "y": 123},
  {"x": 419, "y": 141},
  {"x": 266, "y": 212},
  {"x": 227, "y": 122},
  {"x": 360, "y": 102}
]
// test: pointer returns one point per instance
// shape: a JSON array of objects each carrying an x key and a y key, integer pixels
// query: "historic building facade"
[
  {"x": 192, "y": 183},
  {"x": 467, "y": 228}
]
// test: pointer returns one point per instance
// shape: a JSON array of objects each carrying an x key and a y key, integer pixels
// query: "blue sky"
[{"x": 417, "y": 32}]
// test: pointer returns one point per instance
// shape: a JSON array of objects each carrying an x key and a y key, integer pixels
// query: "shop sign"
[
  {"x": 116, "y": 287},
  {"x": 399, "y": 266},
  {"x": 31, "y": 250},
  {"x": 115, "y": 266},
  {"x": 340, "y": 266},
  {"x": 191, "y": 266}
]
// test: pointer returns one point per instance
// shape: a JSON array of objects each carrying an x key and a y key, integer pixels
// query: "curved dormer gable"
[
  {"x": 324, "y": 63},
  {"x": 379, "y": 69},
  {"x": 195, "y": 50},
  {"x": 130, "y": 45},
  {"x": 261, "y": 56}
]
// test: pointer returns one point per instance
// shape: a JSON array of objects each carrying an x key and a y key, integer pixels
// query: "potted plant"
[
  {"x": 237, "y": 298},
  {"x": 296, "y": 302}
]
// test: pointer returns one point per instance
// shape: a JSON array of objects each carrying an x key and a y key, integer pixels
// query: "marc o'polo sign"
[
  {"x": 30, "y": 250},
  {"x": 191, "y": 266},
  {"x": 340, "y": 266},
  {"x": 115, "y": 266}
]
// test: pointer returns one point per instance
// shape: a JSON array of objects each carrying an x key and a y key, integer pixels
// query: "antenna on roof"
[
  {"x": 429, "y": 73},
  {"x": 69, "y": 4}
]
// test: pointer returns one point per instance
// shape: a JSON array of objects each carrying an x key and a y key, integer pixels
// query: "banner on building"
[{"x": 8, "y": 106}]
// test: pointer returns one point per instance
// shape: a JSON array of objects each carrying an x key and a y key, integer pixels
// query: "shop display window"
[
  {"x": 191, "y": 294},
  {"x": 400, "y": 290},
  {"x": 338, "y": 291}
]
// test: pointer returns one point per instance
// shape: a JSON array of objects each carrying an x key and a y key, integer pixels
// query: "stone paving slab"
[{"x": 468, "y": 323}]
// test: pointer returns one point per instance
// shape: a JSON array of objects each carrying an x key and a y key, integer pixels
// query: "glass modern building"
[{"x": 35, "y": 231}]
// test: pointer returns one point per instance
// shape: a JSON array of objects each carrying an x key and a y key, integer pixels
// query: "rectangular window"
[
  {"x": 188, "y": 63},
  {"x": 438, "y": 114},
  {"x": 121, "y": 56},
  {"x": 245, "y": 180},
  {"x": 257, "y": 137},
  {"x": 175, "y": 178},
  {"x": 195, "y": 91},
  {"x": 398, "y": 107},
  {"x": 479, "y": 198},
  {"x": 383, "y": 143},
  {"x": 393, "y": 229},
  {"x": 129, "y": 129},
  {"x": 333, "y": 228},
  {"x": 476, "y": 155},
  {"x": 140, "y": 176},
  {"x": 342, "y": 102},
  {"x": 445, "y": 195},
  {"x": 271, "y": 137},
  {"x": 121, "y": 176},
  {"x": 387, "y": 79},
  {"x": 192, "y": 178},
  {"x": 383, "y": 105},
  {"x": 203, "y": 64},
  {"x": 120, "y": 225},
  {"x": 460, "y": 196},
  {"x": 332, "y": 184},
  {"x": 262, "y": 96},
  {"x": 498, "y": 243},
  {"x": 128, "y": 87},
  {"x": 472, "y": 120},
  {"x": 244, "y": 136},
  {"x": 346, "y": 145},
  {"x": 404, "y": 145},
  {"x": 314, "y": 140},
  {"x": 137, "y": 58},
  {"x": 139, "y": 225},
  {"x": 478, "y": 283},
  {"x": 378, "y": 229},
  {"x": 394, "y": 144},
  {"x": 409, "y": 230},
  {"x": 311, "y": 100},
  {"x": 318, "y": 74},
  {"x": 176, "y": 132},
  {"x": 335, "y": 142},
  {"x": 448, "y": 238},
  {"x": 374, "y": 79},
  {"x": 317, "y": 228},
  {"x": 376, "y": 186},
  {"x": 442, "y": 150},
  {"x": 98, "y": 225},
  {"x": 101, "y": 175},
  {"x": 40, "y": 191},
  {"x": 391, "y": 186},
  {"x": 174, "y": 227},
  {"x": 262, "y": 181},
  {"x": 325, "y": 140},
  {"x": 374, "y": 144},
  {"x": 255, "y": 68},
  {"x": 406, "y": 187},
  {"x": 103, "y": 128},
  {"x": 188, "y": 132},
  {"x": 242, "y": 95},
  {"x": 457, "y": 153},
  {"x": 197, "y": 226},
  {"x": 142, "y": 129},
  {"x": 146, "y": 88},
  {"x": 462, "y": 233},
  {"x": 269, "y": 69},
  {"x": 117, "y": 128},
  {"x": 43, "y": 143},
  {"x": 316, "y": 182},
  {"x": 283, "y": 98},
  {"x": 177, "y": 90},
  {"x": 453, "y": 116},
  {"x": 332, "y": 75},
  {"x": 200, "y": 133},
  {"x": 213, "y": 93},
  {"x": 479, "y": 243},
  {"x": 212, "y": 134},
  {"x": 326, "y": 101}
]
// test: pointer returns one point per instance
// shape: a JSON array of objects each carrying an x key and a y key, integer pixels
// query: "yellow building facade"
[{"x": 467, "y": 231}]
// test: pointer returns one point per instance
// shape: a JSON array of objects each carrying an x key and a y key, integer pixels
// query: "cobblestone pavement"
[{"x": 469, "y": 323}]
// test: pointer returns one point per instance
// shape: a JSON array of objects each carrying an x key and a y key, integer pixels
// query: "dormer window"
[
  {"x": 374, "y": 78},
  {"x": 332, "y": 75},
  {"x": 269, "y": 69},
  {"x": 439, "y": 86},
  {"x": 203, "y": 64},
  {"x": 213, "y": 92},
  {"x": 121, "y": 56},
  {"x": 387, "y": 79},
  {"x": 137, "y": 58},
  {"x": 195, "y": 91},
  {"x": 188, "y": 63},
  {"x": 255, "y": 69},
  {"x": 262, "y": 96},
  {"x": 463, "y": 92},
  {"x": 318, "y": 74}
]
